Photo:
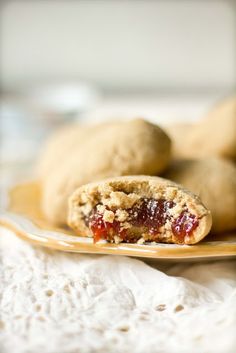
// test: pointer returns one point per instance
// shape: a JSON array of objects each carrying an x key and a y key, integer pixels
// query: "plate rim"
[{"x": 29, "y": 231}]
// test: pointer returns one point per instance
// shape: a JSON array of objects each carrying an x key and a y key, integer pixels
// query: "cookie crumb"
[
  {"x": 101, "y": 208},
  {"x": 126, "y": 225},
  {"x": 117, "y": 239},
  {"x": 121, "y": 215},
  {"x": 108, "y": 216}
]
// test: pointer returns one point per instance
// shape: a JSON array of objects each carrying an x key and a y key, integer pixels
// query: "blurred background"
[{"x": 92, "y": 60}]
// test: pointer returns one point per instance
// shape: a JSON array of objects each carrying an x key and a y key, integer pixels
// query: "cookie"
[
  {"x": 212, "y": 136},
  {"x": 62, "y": 143},
  {"x": 214, "y": 181},
  {"x": 58, "y": 147},
  {"x": 179, "y": 134},
  {"x": 215, "y": 135},
  {"x": 138, "y": 209},
  {"x": 121, "y": 148}
]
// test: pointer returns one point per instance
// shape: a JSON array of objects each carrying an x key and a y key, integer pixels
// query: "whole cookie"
[
  {"x": 214, "y": 181},
  {"x": 124, "y": 148},
  {"x": 138, "y": 209}
]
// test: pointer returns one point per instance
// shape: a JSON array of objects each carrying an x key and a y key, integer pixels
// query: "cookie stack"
[{"x": 103, "y": 181}]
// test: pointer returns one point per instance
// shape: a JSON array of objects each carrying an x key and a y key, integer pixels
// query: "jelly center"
[
  {"x": 184, "y": 225},
  {"x": 145, "y": 217}
]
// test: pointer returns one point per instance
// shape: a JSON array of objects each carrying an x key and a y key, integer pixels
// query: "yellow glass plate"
[{"x": 24, "y": 217}]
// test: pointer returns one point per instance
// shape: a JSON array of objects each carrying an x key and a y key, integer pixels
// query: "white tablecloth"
[{"x": 55, "y": 302}]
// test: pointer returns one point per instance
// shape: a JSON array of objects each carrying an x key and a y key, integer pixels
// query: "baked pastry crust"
[{"x": 114, "y": 198}]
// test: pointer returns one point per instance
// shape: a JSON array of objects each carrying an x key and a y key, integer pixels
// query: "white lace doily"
[{"x": 55, "y": 302}]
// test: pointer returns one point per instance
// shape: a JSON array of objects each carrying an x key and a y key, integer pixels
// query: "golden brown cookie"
[
  {"x": 62, "y": 143},
  {"x": 138, "y": 209},
  {"x": 212, "y": 136},
  {"x": 58, "y": 147},
  {"x": 214, "y": 181},
  {"x": 179, "y": 135},
  {"x": 215, "y": 135},
  {"x": 121, "y": 148}
]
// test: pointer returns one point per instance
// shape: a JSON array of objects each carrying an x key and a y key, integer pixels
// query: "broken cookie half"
[{"x": 138, "y": 209}]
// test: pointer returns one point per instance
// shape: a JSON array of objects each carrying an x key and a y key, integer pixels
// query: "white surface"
[
  {"x": 54, "y": 302},
  {"x": 120, "y": 44},
  {"x": 23, "y": 133},
  {"x": 161, "y": 109}
]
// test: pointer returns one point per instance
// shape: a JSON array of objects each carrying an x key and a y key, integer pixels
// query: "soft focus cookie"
[
  {"x": 121, "y": 148},
  {"x": 214, "y": 181},
  {"x": 212, "y": 136},
  {"x": 179, "y": 135},
  {"x": 63, "y": 143},
  {"x": 136, "y": 209},
  {"x": 58, "y": 147},
  {"x": 215, "y": 135}
]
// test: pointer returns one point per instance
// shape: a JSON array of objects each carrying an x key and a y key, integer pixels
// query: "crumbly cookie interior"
[{"x": 136, "y": 213}]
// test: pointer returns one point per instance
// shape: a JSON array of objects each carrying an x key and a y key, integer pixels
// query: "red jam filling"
[
  {"x": 151, "y": 214},
  {"x": 184, "y": 225},
  {"x": 102, "y": 229},
  {"x": 148, "y": 216}
]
